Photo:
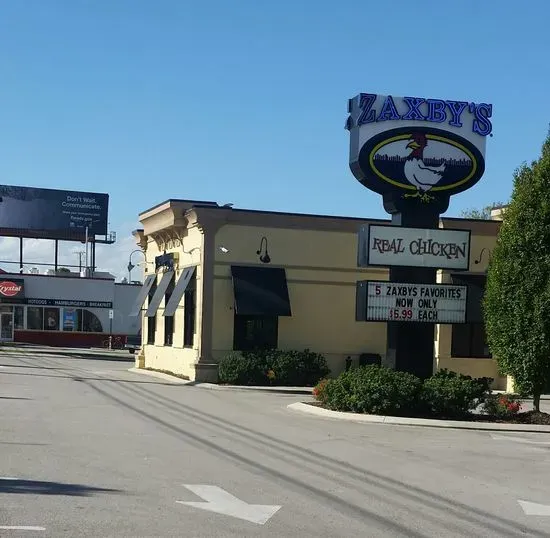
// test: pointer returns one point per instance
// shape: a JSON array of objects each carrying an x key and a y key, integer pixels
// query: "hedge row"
[
  {"x": 382, "y": 391},
  {"x": 273, "y": 367}
]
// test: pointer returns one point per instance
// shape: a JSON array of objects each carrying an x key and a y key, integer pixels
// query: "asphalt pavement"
[{"x": 89, "y": 449}]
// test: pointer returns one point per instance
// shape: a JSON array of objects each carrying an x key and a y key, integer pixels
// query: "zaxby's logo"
[
  {"x": 417, "y": 148},
  {"x": 11, "y": 288}
]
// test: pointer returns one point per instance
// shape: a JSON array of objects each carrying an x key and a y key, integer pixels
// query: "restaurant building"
[
  {"x": 65, "y": 309},
  {"x": 220, "y": 279}
]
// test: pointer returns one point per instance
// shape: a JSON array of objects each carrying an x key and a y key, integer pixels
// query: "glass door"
[{"x": 6, "y": 326}]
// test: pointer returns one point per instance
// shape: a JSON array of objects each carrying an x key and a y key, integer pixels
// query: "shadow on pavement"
[
  {"x": 119, "y": 355},
  {"x": 35, "y": 487},
  {"x": 13, "y": 398}
]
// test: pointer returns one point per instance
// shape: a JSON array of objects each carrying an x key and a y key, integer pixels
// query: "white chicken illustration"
[{"x": 422, "y": 176}]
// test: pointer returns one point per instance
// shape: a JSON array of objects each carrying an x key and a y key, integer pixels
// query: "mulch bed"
[{"x": 528, "y": 417}]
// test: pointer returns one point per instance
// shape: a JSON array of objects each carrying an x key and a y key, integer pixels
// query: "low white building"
[{"x": 66, "y": 309}]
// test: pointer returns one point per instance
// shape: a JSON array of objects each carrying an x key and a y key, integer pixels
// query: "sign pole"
[{"x": 410, "y": 346}]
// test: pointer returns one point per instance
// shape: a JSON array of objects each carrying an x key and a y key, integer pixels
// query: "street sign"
[
  {"x": 429, "y": 303},
  {"x": 111, "y": 314},
  {"x": 397, "y": 246}
]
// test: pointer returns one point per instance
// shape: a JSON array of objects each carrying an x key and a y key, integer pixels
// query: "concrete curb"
[
  {"x": 214, "y": 386},
  {"x": 279, "y": 390},
  {"x": 425, "y": 422},
  {"x": 160, "y": 375}
]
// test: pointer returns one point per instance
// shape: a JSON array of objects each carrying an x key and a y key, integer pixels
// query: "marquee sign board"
[
  {"x": 417, "y": 148},
  {"x": 393, "y": 246},
  {"x": 428, "y": 303}
]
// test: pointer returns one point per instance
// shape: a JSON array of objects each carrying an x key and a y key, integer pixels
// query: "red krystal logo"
[{"x": 9, "y": 289}]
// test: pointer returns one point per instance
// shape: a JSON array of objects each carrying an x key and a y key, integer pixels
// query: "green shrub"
[
  {"x": 297, "y": 368},
  {"x": 373, "y": 389},
  {"x": 238, "y": 368},
  {"x": 501, "y": 405},
  {"x": 449, "y": 394},
  {"x": 273, "y": 367}
]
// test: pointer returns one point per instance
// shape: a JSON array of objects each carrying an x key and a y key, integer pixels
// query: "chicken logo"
[
  {"x": 418, "y": 164},
  {"x": 417, "y": 151},
  {"x": 418, "y": 173}
]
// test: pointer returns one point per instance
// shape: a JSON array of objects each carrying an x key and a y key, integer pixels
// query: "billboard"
[
  {"x": 429, "y": 303},
  {"x": 52, "y": 210},
  {"x": 393, "y": 246}
]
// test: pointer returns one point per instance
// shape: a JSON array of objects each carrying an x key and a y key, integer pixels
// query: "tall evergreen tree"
[{"x": 517, "y": 297}]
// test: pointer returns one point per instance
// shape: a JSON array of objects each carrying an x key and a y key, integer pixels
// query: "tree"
[
  {"x": 63, "y": 270},
  {"x": 480, "y": 214},
  {"x": 517, "y": 297}
]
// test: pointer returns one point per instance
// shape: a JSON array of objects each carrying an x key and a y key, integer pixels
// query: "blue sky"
[{"x": 244, "y": 101}]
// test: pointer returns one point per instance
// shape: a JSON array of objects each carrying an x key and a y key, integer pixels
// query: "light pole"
[
  {"x": 80, "y": 253},
  {"x": 132, "y": 265}
]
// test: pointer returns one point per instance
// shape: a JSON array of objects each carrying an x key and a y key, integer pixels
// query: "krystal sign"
[
  {"x": 416, "y": 147},
  {"x": 11, "y": 289},
  {"x": 431, "y": 303},
  {"x": 391, "y": 246}
]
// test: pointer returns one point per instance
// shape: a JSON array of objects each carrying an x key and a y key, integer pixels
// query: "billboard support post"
[{"x": 86, "y": 243}]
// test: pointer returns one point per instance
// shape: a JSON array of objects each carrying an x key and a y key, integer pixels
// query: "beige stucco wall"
[
  {"x": 321, "y": 273},
  {"x": 475, "y": 367},
  {"x": 175, "y": 358}
]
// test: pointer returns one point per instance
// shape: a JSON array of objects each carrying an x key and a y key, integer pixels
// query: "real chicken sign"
[
  {"x": 417, "y": 147},
  {"x": 397, "y": 246}
]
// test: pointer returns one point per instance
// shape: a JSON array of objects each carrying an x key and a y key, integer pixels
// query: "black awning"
[
  {"x": 260, "y": 291},
  {"x": 179, "y": 290},
  {"x": 476, "y": 290},
  {"x": 159, "y": 294},
  {"x": 142, "y": 295}
]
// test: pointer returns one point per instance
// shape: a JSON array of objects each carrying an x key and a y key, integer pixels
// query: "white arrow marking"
[
  {"x": 535, "y": 509},
  {"x": 218, "y": 500},
  {"x": 518, "y": 439}
]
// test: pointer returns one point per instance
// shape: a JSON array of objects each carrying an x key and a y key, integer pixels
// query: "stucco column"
[{"x": 206, "y": 369}]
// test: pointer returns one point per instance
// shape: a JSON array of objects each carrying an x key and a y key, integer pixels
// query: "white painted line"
[
  {"x": 9, "y": 478},
  {"x": 222, "y": 502},
  {"x": 22, "y": 528},
  {"x": 516, "y": 439},
  {"x": 535, "y": 509}
]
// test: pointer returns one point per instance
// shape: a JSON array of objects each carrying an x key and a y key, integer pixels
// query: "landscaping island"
[{"x": 446, "y": 395}]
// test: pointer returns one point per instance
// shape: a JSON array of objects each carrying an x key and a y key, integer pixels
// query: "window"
[
  {"x": 72, "y": 319},
  {"x": 151, "y": 321},
  {"x": 189, "y": 308},
  {"x": 19, "y": 317},
  {"x": 35, "y": 318},
  {"x": 255, "y": 332},
  {"x": 469, "y": 341},
  {"x": 151, "y": 328},
  {"x": 51, "y": 319},
  {"x": 90, "y": 322},
  {"x": 169, "y": 320}
]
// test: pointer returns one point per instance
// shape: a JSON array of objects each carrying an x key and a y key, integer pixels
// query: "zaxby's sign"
[
  {"x": 391, "y": 246},
  {"x": 11, "y": 289},
  {"x": 416, "y": 147}
]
